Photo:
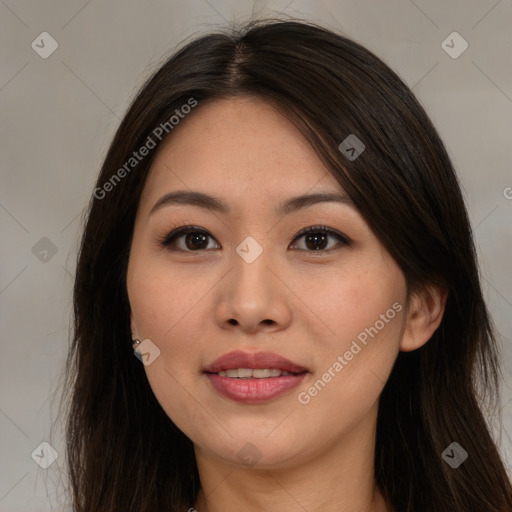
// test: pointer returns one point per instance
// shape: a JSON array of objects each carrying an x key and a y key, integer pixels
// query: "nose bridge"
[{"x": 251, "y": 260}]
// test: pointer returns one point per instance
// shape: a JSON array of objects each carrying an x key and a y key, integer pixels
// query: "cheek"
[
  {"x": 343, "y": 304},
  {"x": 162, "y": 305},
  {"x": 160, "y": 300},
  {"x": 356, "y": 335},
  {"x": 350, "y": 376},
  {"x": 163, "y": 310}
]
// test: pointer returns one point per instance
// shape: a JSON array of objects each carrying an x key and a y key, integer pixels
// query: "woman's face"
[{"x": 331, "y": 302}]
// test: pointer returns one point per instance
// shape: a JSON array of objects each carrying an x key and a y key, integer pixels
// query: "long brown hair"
[{"x": 124, "y": 453}]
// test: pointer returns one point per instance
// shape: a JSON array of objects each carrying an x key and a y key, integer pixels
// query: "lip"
[
  {"x": 254, "y": 391},
  {"x": 259, "y": 360}
]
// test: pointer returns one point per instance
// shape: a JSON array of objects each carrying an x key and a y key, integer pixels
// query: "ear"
[{"x": 424, "y": 314}]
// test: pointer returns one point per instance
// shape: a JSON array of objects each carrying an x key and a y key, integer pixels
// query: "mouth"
[
  {"x": 254, "y": 378},
  {"x": 255, "y": 373}
]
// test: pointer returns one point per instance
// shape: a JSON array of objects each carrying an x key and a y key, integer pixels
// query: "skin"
[{"x": 305, "y": 305}]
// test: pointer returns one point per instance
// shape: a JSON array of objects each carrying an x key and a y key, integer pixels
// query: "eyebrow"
[{"x": 216, "y": 204}]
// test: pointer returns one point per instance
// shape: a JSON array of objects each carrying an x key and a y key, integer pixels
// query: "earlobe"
[{"x": 424, "y": 315}]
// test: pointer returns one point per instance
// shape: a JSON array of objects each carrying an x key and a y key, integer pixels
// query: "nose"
[{"x": 253, "y": 296}]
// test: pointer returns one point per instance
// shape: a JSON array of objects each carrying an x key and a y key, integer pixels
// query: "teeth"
[
  {"x": 263, "y": 373},
  {"x": 243, "y": 373},
  {"x": 249, "y": 373}
]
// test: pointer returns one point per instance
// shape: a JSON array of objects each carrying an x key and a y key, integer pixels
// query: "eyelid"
[{"x": 185, "y": 229}]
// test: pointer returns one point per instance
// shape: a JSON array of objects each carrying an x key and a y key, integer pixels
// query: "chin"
[{"x": 258, "y": 453}]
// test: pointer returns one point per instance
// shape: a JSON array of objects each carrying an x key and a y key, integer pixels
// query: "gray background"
[{"x": 59, "y": 114}]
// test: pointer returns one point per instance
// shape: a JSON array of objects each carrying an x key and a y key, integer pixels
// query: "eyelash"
[{"x": 167, "y": 239}]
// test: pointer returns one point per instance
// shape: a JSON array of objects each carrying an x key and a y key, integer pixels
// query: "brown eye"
[
  {"x": 194, "y": 238},
  {"x": 316, "y": 238}
]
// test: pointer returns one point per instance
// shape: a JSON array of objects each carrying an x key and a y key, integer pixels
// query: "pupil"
[{"x": 316, "y": 237}]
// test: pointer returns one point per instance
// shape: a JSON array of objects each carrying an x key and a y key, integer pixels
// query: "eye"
[
  {"x": 196, "y": 239},
  {"x": 316, "y": 236}
]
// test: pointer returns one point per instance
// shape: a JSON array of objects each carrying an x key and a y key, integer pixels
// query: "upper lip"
[{"x": 258, "y": 360}]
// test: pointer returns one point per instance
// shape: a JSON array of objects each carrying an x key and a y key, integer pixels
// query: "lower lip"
[{"x": 254, "y": 391}]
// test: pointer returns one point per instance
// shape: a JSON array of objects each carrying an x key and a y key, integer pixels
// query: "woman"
[{"x": 278, "y": 233}]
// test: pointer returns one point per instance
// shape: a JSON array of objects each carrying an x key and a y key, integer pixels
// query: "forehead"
[{"x": 238, "y": 147}]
